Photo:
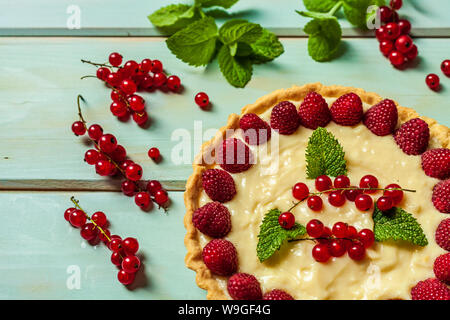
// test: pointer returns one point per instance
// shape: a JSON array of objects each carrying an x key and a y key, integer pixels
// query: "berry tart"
[{"x": 322, "y": 192}]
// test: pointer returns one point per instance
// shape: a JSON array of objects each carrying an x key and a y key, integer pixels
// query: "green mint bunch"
[
  {"x": 324, "y": 30},
  {"x": 196, "y": 39}
]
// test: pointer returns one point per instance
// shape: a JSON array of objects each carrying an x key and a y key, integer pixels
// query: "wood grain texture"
[
  {"x": 116, "y": 18},
  {"x": 38, "y": 246}
]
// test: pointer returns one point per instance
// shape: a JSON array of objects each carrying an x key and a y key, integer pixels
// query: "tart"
[{"x": 228, "y": 201}]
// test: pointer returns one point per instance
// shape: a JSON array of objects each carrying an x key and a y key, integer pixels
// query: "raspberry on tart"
[
  {"x": 234, "y": 156},
  {"x": 347, "y": 110},
  {"x": 213, "y": 219},
  {"x": 382, "y": 118},
  {"x": 436, "y": 163},
  {"x": 314, "y": 111},
  {"x": 256, "y": 130},
  {"x": 284, "y": 118}
]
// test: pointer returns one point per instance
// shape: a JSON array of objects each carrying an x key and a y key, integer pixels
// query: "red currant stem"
[
  {"x": 319, "y": 238},
  {"x": 77, "y": 205},
  {"x": 88, "y": 76},
  {"x": 356, "y": 188},
  {"x": 98, "y": 64},
  {"x": 80, "y": 115},
  {"x": 296, "y": 204}
]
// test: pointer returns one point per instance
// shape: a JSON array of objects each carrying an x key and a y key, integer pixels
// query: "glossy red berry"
[
  {"x": 154, "y": 153},
  {"x": 118, "y": 108},
  {"x": 315, "y": 203},
  {"x": 115, "y": 59},
  {"x": 366, "y": 237},
  {"x": 100, "y": 219},
  {"x": 91, "y": 156},
  {"x": 146, "y": 82},
  {"x": 137, "y": 103},
  {"x": 380, "y": 33},
  {"x": 131, "y": 264},
  {"x": 153, "y": 186},
  {"x": 77, "y": 218},
  {"x": 384, "y": 203},
  {"x": 78, "y": 128},
  {"x": 128, "y": 86},
  {"x": 119, "y": 154},
  {"x": 341, "y": 182},
  {"x": 315, "y": 228},
  {"x": 103, "y": 237},
  {"x": 161, "y": 197},
  {"x": 339, "y": 229},
  {"x": 173, "y": 83},
  {"x": 356, "y": 251},
  {"x": 202, "y": 100},
  {"x": 300, "y": 191},
  {"x": 130, "y": 245},
  {"x": 404, "y": 26},
  {"x": 337, "y": 248},
  {"x": 102, "y": 73},
  {"x": 113, "y": 79},
  {"x": 369, "y": 181},
  {"x": 107, "y": 143},
  {"x": 363, "y": 202},
  {"x": 396, "y": 4},
  {"x": 321, "y": 253},
  {"x": 140, "y": 118},
  {"x": 445, "y": 67},
  {"x": 392, "y": 31},
  {"x": 145, "y": 65},
  {"x": 404, "y": 43},
  {"x": 395, "y": 195},
  {"x": 159, "y": 79},
  {"x": 116, "y": 259},
  {"x": 385, "y": 14},
  {"x": 95, "y": 131},
  {"x": 351, "y": 194},
  {"x": 352, "y": 233},
  {"x": 133, "y": 172},
  {"x": 386, "y": 47},
  {"x": 323, "y": 183},
  {"x": 89, "y": 231},
  {"x": 286, "y": 220},
  {"x": 142, "y": 199},
  {"x": 124, "y": 164},
  {"x": 336, "y": 198},
  {"x": 412, "y": 54},
  {"x": 397, "y": 58},
  {"x": 432, "y": 81},
  {"x": 130, "y": 68},
  {"x": 125, "y": 278},
  {"x": 128, "y": 188},
  {"x": 115, "y": 244},
  {"x": 157, "y": 66},
  {"x": 68, "y": 212}
]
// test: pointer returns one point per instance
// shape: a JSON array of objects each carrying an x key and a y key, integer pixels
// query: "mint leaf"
[
  {"x": 174, "y": 17},
  {"x": 319, "y": 5},
  {"x": 195, "y": 44},
  {"x": 397, "y": 224},
  {"x": 218, "y": 13},
  {"x": 324, "y": 38},
  {"x": 324, "y": 155},
  {"x": 238, "y": 30},
  {"x": 266, "y": 48},
  {"x": 237, "y": 70},
  {"x": 216, "y": 3},
  {"x": 356, "y": 12},
  {"x": 271, "y": 235}
]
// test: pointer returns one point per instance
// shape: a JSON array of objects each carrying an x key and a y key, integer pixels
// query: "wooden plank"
[
  {"x": 113, "y": 18},
  {"x": 41, "y": 252},
  {"x": 40, "y": 81}
]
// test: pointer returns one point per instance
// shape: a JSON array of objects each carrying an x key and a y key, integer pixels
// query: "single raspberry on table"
[
  {"x": 277, "y": 294},
  {"x": 314, "y": 111},
  {"x": 413, "y": 136},
  {"x": 430, "y": 289},
  {"x": 441, "y": 196},
  {"x": 382, "y": 118},
  {"x": 218, "y": 185},
  {"x": 244, "y": 286},
  {"x": 436, "y": 163},
  {"x": 220, "y": 257},
  {"x": 347, "y": 110},
  {"x": 442, "y": 235},
  {"x": 441, "y": 268},
  {"x": 234, "y": 156},
  {"x": 212, "y": 219},
  {"x": 256, "y": 130},
  {"x": 284, "y": 118}
]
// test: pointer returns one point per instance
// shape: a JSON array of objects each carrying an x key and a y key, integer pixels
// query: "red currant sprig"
[
  {"x": 110, "y": 158},
  {"x": 123, "y": 251}
]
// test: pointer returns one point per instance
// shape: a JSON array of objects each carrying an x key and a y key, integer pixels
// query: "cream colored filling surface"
[{"x": 389, "y": 269}]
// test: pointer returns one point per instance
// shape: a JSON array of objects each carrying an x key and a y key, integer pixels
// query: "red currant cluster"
[
  {"x": 393, "y": 36},
  {"x": 340, "y": 191},
  {"x": 124, "y": 251},
  {"x": 129, "y": 78},
  {"x": 110, "y": 158}
]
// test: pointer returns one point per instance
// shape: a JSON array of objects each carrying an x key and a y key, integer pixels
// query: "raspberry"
[
  {"x": 381, "y": 119},
  {"x": 412, "y": 137},
  {"x": 244, "y": 286},
  {"x": 256, "y": 130},
  {"x": 314, "y": 111},
  {"x": 347, "y": 110},
  {"x": 220, "y": 257},
  {"x": 441, "y": 196},
  {"x": 436, "y": 163},
  {"x": 441, "y": 268},
  {"x": 234, "y": 156},
  {"x": 277, "y": 294},
  {"x": 430, "y": 289},
  {"x": 213, "y": 219},
  {"x": 218, "y": 185},
  {"x": 284, "y": 118},
  {"x": 442, "y": 235}
]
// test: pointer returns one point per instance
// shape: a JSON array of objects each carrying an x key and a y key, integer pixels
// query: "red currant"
[
  {"x": 115, "y": 244},
  {"x": 323, "y": 183},
  {"x": 315, "y": 203},
  {"x": 124, "y": 164},
  {"x": 173, "y": 83},
  {"x": 77, "y": 218},
  {"x": 102, "y": 237},
  {"x": 133, "y": 172},
  {"x": 386, "y": 47},
  {"x": 118, "y": 108},
  {"x": 119, "y": 154},
  {"x": 336, "y": 198},
  {"x": 125, "y": 278},
  {"x": 341, "y": 182},
  {"x": 89, "y": 231},
  {"x": 369, "y": 181},
  {"x": 351, "y": 194},
  {"x": 340, "y": 229},
  {"x": 432, "y": 81},
  {"x": 140, "y": 118},
  {"x": 145, "y": 66},
  {"x": 130, "y": 68},
  {"x": 385, "y": 13},
  {"x": 320, "y": 253},
  {"x": 128, "y": 188},
  {"x": 131, "y": 264},
  {"x": 128, "y": 86},
  {"x": 356, "y": 251},
  {"x": 107, "y": 143},
  {"x": 147, "y": 81},
  {"x": 130, "y": 245},
  {"x": 153, "y": 186},
  {"x": 384, "y": 203},
  {"x": 404, "y": 26},
  {"x": 367, "y": 237},
  {"x": 326, "y": 233},
  {"x": 412, "y": 54},
  {"x": 315, "y": 228},
  {"x": 104, "y": 167},
  {"x": 397, "y": 58},
  {"x": 392, "y": 30},
  {"x": 154, "y": 153},
  {"x": 95, "y": 131},
  {"x": 113, "y": 79},
  {"x": 363, "y": 202},
  {"x": 137, "y": 103},
  {"x": 68, "y": 212},
  {"x": 102, "y": 73},
  {"x": 115, "y": 59},
  {"x": 91, "y": 156},
  {"x": 300, "y": 191},
  {"x": 99, "y": 218},
  {"x": 404, "y": 43},
  {"x": 78, "y": 128},
  {"x": 142, "y": 199},
  {"x": 161, "y": 197},
  {"x": 396, "y": 4},
  {"x": 380, "y": 33},
  {"x": 351, "y": 232},
  {"x": 116, "y": 259},
  {"x": 159, "y": 79},
  {"x": 157, "y": 66},
  {"x": 445, "y": 67},
  {"x": 202, "y": 100},
  {"x": 286, "y": 220},
  {"x": 337, "y": 248},
  {"x": 395, "y": 195}
]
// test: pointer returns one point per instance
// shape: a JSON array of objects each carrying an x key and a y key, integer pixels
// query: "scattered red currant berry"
[
  {"x": 386, "y": 47},
  {"x": 133, "y": 172},
  {"x": 116, "y": 259},
  {"x": 145, "y": 65},
  {"x": 159, "y": 79},
  {"x": 78, "y": 128},
  {"x": 396, "y": 4},
  {"x": 337, "y": 248},
  {"x": 315, "y": 228},
  {"x": 392, "y": 30},
  {"x": 356, "y": 251},
  {"x": 363, "y": 202},
  {"x": 125, "y": 278},
  {"x": 77, "y": 218},
  {"x": 137, "y": 103},
  {"x": 315, "y": 203},
  {"x": 445, "y": 67},
  {"x": 404, "y": 26},
  {"x": 161, "y": 197},
  {"x": 173, "y": 83},
  {"x": 107, "y": 143},
  {"x": 102, "y": 73},
  {"x": 154, "y": 153},
  {"x": 404, "y": 43},
  {"x": 128, "y": 188},
  {"x": 351, "y": 194},
  {"x": 384, "y": 203},
  {"x": 339, "y": 229},
  {"x": 395, "y": 195},
  {"x": 336, "y": 198},
  {"x": 323, "y": 183},
  {"x": 202, "y": 100},
  {"x": 432, "y": 81},
  {"x": 115, "y": 59},
  {"x": 128, "y": 86},
  {"x": 396, "y": 58},
  {"x": 153, "y": 186},
  {"x": 131, "y": 264},
  {"x": 341, "y": 182},
  {"x": 368, "y": 181},
  {"x": 366, "y": 237},
  {"x": 142, "y": 199},
  {"x": 130, "y": 245},
  {"x": 320, "y": 253},
  {"x": 286, "y": 220},
  {"x": 95, "y": 131},
  {"x": 157, "y": 66},
  {"x": 99, "y": 218},
  {"x": 300, "y": 191}
]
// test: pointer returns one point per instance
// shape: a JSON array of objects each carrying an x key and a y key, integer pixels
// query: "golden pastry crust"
[{"x": 440, "y": 138}]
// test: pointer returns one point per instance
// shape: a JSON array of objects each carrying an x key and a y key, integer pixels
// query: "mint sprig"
[
  {"x": 196, "y": 40},
  {"x": 324, "y": 155},
  {"x": 272, "y": 236}
]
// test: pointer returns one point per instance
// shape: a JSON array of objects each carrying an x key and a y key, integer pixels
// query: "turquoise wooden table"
[{"x": 41, "y": 164}]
